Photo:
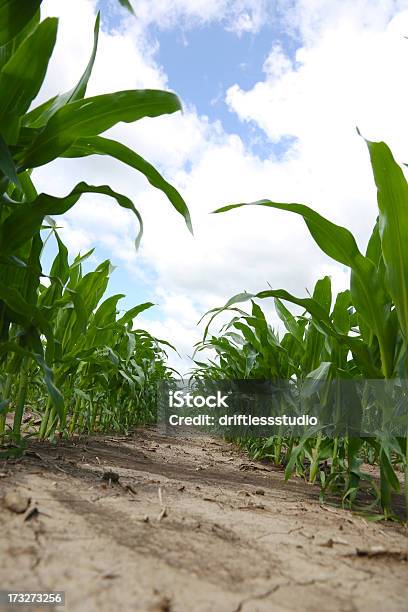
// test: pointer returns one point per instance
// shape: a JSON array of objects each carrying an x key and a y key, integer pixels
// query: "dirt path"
[{"x": 192, "y": 525}]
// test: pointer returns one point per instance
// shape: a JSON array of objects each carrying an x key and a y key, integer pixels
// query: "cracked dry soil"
[{"x": 164, "y": 524}]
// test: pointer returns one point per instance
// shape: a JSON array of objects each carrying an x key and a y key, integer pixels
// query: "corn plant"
[
  {"x": 35, "y": 326},
  {"x": 107, "y": 370},
  {"x": 365, "y": 334}
]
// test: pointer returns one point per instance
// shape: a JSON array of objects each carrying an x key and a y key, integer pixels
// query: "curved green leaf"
[
  {"x": 392, "y": 191},
  {"x": 126, "y": 4},
  {"x": 289, "y": 320},
  {"x": 91, "y": 116},
  {"x": 54, "y": 393},
  {"x": 340, "y": 315},
  {"x": 374, "y": 246},
  {"x": 334, "y": 240},
  {"x": 106, "y": 312},
  {"x": 19, "y": 227},
  {"x": 7, "y": 50},
  {"x": 322, "y": 293},
  {"x": 14, "y": 16},
  {"x": 22, "y": 76},
  {"x": 39, "y": 116},
  {"x": 103, "y": 146},
  {"x": 7, "y": 166},
  {"x": 23, "y": 312},
  {"x": 133, "y": 312}
]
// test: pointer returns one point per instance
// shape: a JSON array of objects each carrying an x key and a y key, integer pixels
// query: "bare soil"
[{"x": 159, "y": 524}]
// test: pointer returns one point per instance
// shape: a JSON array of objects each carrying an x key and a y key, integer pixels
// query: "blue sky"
[{"x": 202, "y": 61}]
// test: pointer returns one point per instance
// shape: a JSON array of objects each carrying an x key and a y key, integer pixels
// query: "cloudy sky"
[{"x": 272, "y": 92}]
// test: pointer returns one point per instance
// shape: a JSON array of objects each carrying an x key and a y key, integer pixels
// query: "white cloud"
[
  {"x": 350, "y": 75},
  {"x": 349, "y": 71},
  {"x": 238, "y": 15},
  {"x": 311, "y": 18},
  {"x": 124, "y": 59}
]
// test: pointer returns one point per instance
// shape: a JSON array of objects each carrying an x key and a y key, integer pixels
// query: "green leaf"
[
  {"x": 10, "y": 125},
  {"x": 39, "y": 116},
  {"x": 103, "y": 146},
  {"x": 28, "y": 218},
  {"x": 14, "y": 16},
  {"x": 249, "y": 335},
  {"x": 59, "y": 275},
  {"x": 126, "y": 4},
  {"x": 22, "y": 76},
  {"x": 54, "y": 393},
  {"x": 7, "y": 50},
  {"x": 23, "y": 312},
  {"x": 336, "y": 241},
  {"x": 313, "y": 381},
  {"x": 392, "y": 192},
  {"x": 374, "y": 251},
  {"x": 60, "y": 267},
  {"x": 93, "y": 285},
  {"x": 340, "y": 315},
  {"x": 387, "y": 469},
  {"x": 4, "y": 404},
  {"x": 7, "y": 166},
  {"x": 81, "y": 318},
  {"x": 322, "y": 293},
  {"x": 131, "y": 345},
  {"x": 133, "y": 312},
  {"x": 294, "y": 456},
  {"x": 91, "y": 116},
  {"x": 106, "y": 312},
  {"x": 30, "y": 192}
]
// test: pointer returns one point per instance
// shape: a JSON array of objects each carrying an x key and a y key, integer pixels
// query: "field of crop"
[{"x": 79, "y": 377}]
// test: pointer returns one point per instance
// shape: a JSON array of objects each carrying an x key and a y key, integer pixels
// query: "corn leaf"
[
  {"x": 14, "y": 16},
  {"x": 90, "y": 117},
  {"x": 28, "y": 218},
  {"x": 288, "y": 320},
  {"x": 322, "y": 293},
  {"x": 374, "y": 251},
  {"x": 340, "y": 315},
  {"x": 22, "y": 76},
  {"x": 126, "y": 4},
  {"x": 39, "y": 116},
  {"x": 7, "y": 50},
  {"x": 7, "y": 166},
  {"x": 54, "y": 393},
  {"x": 21, "y": 311},
  {"x": 133, "y": 312},
  {"x": 392, "y": 192},
  {"x": 103, "y": 146},
  {"x": 106, "y": 312}
]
